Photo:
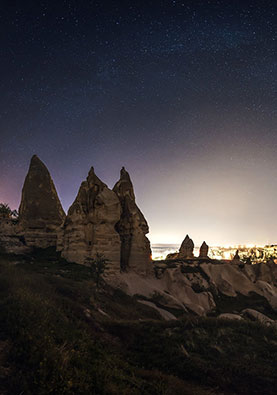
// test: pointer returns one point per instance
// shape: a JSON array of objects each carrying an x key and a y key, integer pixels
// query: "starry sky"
[{"x": 181, "y": 93}]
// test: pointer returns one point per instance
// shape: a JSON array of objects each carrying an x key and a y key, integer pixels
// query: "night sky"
[{"x": 181, "y": 93}]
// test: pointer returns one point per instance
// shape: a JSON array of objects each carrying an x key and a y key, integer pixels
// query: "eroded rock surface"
[
  {"x": 230, "y": 316},
  {"x": 40, "y": 211},
  {"x": 257, "y": 316},
  {"x": 132, "y": 228},
  {"x": 204, "y": 249},
  {"x": 89, "y": 228},
  {"x": 186, "y": 249},
  {"x": 198, "y": 287},
  {"x": 12, "y": 240}
]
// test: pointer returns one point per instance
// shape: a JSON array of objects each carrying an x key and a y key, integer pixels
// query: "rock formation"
[
  {"x": 12, "y": 241},
  {"x": 102, "y": 221},
  {"x": 172, "y": 255},
  {"x": 186, "y": 249},
  {"x": 204, "y": 249},
  {"x": 254, "y": 315},
  {"x": 236, "y": 257},
  {"x": 89, "y": 228},
  {"x": 199, "y": 290},
  {"x": 132, "y": 228},
  {"x": 40, "y": 211}
]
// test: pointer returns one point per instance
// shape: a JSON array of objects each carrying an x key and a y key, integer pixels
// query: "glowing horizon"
[
  {"x": 226, "y": 245},
  {"x": 176, "y": 238}
]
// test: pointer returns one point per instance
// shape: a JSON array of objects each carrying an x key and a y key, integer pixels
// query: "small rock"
[
  {"x": 230, "y": 316},
  {"x": 255, "y": 315}
]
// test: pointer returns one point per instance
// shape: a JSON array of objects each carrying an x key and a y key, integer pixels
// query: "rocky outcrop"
[
  {"x": 132, "y": 228},
  {"x": 108, "y": 222},
  {"x": 204, "y": 249},
  {"x": 172, "y": 255},
  {"x": 236, "y": 257},
  {"x": 89, "y": 228},
  {"x": 173, "y": 291},
  {"x": 228, "y": 279},
  {"x": 40, "y": 211},
  {"x": 12, "y": 240},
  {"x": 198, "y": 287},
  {"x": 255, "y": 315},
  {"x": 186, "y": 249},
  {"x": 232, "y": 280}
]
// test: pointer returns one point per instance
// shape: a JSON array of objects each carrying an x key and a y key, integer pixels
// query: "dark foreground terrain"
[{"x": 59, "y": 335}]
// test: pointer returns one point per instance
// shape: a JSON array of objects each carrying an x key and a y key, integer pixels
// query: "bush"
[
  {"x": 7, "y": 212},
  {"x": 98, "y": 266}
]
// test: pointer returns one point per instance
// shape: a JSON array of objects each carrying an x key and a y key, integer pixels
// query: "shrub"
[
  {"x": 98, "y": 266},
  {"x": 7, "y": 212}
]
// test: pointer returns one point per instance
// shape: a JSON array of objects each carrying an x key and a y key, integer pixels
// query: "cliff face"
[
  {"x": 89, "y": 228},
  {"x": 132, "y": 228},
  {"x": 40, "y": 211}
]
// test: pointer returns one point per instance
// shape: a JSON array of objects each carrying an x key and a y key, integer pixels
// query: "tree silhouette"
[
  {"x": 6, "y": 212},
  {"x": 98, "y": 266}
]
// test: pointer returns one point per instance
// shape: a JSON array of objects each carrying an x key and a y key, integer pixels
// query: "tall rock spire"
[
  {"x": 89, "y": 228},
  {"x": 132, "y": 228},
  {"x": 40, "y": 211}
]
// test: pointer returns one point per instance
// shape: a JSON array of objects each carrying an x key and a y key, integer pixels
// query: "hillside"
[{"x": 60, "y": 335}]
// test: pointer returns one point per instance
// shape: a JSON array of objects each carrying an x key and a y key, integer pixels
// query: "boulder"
[
  {"x": 172, "y": 255},
  {"x": 166, "y": 315},
  {"x": 169, "y": 292},
  {"x": 230, "y": 316},
  {"x": 40, "y": 211},
  {"x": 132, "y": 228},
  {"x": 204, "y": 249},
  {"x": 176, "y": 284},
  {"x": 266, "y": 272},
  {"x": 255, "y": 315},
  {"x": 89, "y": 228},
  {"x": 228, "y": 279},
  {"x": 186, "y": 249},
  {"x": 269, "y": 291}
]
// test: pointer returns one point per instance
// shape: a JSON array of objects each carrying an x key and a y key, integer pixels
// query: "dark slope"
[{"x": 58, "y": 335}]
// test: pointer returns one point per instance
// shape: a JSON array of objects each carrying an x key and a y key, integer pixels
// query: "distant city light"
[{"x": 256, "y": 253}]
